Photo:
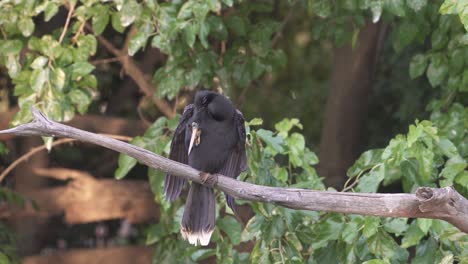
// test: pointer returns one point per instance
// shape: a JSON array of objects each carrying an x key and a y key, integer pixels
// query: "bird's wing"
[
  {"x": 173, "y": 185},
  {"x": 237, "y": 160}
]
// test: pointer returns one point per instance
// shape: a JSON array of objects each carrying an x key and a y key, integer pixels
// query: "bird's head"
[{"x": 210, "y": 106}]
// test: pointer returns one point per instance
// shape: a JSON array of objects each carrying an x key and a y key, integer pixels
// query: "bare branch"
[
  {"x": 35, "y": 150},
  {"x": 445, "y": 203},
  {"x": 67, "y": 22}
]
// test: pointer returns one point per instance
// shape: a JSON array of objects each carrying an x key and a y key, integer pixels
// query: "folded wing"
[
  {"x": 237, "y": 161},
  {"x": 173, "y": 185}
]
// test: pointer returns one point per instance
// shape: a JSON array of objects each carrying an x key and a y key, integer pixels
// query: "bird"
[{"x": 210, "y": 137}]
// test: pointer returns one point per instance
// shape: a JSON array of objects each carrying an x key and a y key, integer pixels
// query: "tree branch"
[
  {"x": 445, "y": 203},
  {"x": 132, "y": 70}
]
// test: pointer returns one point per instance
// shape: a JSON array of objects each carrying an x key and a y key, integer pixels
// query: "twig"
[
  {"x": 78, "y": 32},
  {"x": 43, "y": 147},
  {"x": 435, "y": 203},
  {"x": 67, "y": 22}
]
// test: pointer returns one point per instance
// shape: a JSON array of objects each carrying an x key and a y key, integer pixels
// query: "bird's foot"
[{"x": 208, "y": 179}]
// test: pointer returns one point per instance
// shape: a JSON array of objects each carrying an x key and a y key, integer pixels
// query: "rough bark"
[
  {"x": 85, "y": 199},
  {"x": 124, "y": 255},
  {"x": 434, "y": 203},
  {"x": 346, "y": 110}
]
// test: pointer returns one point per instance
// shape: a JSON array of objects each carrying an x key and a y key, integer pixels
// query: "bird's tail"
[{"x": 198, "y": 221}]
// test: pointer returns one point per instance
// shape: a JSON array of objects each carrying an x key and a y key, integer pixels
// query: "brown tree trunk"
[
  {"x": 30, "y": 231},
  {"x": 346, "y": 111}
]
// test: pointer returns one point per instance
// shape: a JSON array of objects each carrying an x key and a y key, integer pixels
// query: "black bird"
[{"x": 210, "y": 137}]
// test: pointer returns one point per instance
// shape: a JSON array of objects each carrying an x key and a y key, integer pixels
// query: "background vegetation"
[{"x": 377, "y": 87}]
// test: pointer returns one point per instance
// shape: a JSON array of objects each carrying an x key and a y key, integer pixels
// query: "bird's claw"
[{"x": 208, "y": 179}]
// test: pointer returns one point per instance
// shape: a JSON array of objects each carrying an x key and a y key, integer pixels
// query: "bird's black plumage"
[{"x": 219, "y": 147}]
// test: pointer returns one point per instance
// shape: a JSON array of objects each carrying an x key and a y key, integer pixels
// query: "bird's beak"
[{"x": 195, "y": 138}]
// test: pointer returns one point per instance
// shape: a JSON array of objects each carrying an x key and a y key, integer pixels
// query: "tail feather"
[
  {"x": 198, "y": 221},
  {"x": 173, "y": 187}
]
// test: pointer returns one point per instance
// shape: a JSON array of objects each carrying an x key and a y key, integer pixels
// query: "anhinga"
[{"x": 210, "y": 137}]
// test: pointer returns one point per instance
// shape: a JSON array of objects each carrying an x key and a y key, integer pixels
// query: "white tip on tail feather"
[{"x": 195, "y": 238}]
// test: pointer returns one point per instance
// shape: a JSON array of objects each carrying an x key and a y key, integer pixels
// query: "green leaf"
[
  {"x": 126, "y": 163},
  {"x": 439, "y": 39},
  {"x": 273, "y": 228},
  {"x": 137, "y": 42},
  {"x": 453, "y": 167},
  {"x": 203, "y": 32},
  {"x": 10, "y": 47},
  {"x": 418, "y": 65},
  {"x": 396, "y": 226},
  {"x": 425, "y": 252},
  {"x": 87, "y": 44},
  {"x": 413, "y": 236},
  {"x": 79, "y": 69},
  {"x": 296, "y": 144},
  {"x": 322, "y": 8},
  {"x": 397, "y": 7},
  {"x": 50, "y": 11},
  {"x": 281, "y": 174},
  {"x": 190, "y": 34},
  {"x": 350, "y": 232},
  {"x": 376, "y": 9},
  {"x": 252, "y": 228},
  {"x": 39, "y": 62},
  {"x": 100, "y": 19},
  {"x": 231, "y": 227},
  {"x": 449, "y": 7},
  {"x": 255, "y": 122},
  {"x": 327, "y": 230},
  {"x": 81, "y": 99},
  {"x": 417, "y": 5},
  {"x": 371, "y": 225},
  {"x": 169, "y": 81},
  {"x": 38, "y": 79},
  {"x": 115, "y": 21},
  {"x": 447, "y": 147},
  {"x": 383, "y": 245},
  {"x": 424, "y": 224},
  {"x": 26, "y": 26},
  {"x": 58, "y": 77},
  {"x": 437, "y": 72},
  {"x": 13, "y": 65},
  {"x": 366, "y": 161},
  {"x": 285, "y": 125},
  {"x": 202, "y": 254},
  {"x": 130, "y": 11},
  {"x": 274, "y": 142},
  {"x": 370, "y": 182}
]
